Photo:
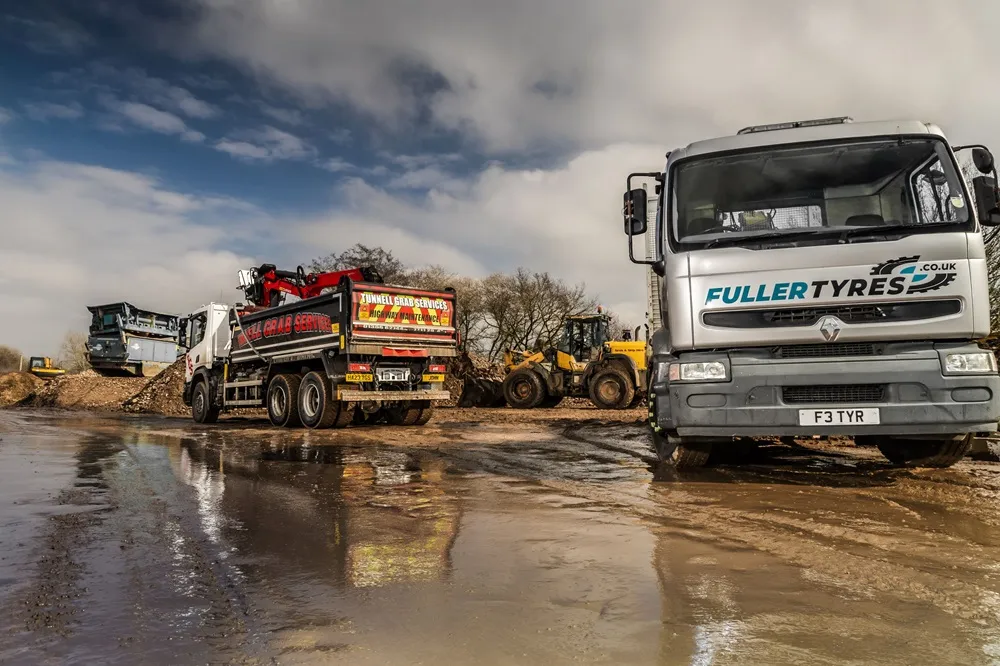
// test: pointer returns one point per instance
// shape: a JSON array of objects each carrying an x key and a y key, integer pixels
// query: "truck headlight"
[
  {"x": 970, "y": 363},
  {"x": 712, "y": 371}
]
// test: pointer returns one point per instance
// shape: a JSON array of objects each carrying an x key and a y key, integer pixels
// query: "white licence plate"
[
  {"x": 393, "y": 374},
  {"x": 839, "y": 416}
]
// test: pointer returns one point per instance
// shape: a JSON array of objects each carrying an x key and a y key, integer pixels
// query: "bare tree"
[
  {"x": 73, "y": 352},
  {"x": 10, "y": 359},
  {"x": 389, "y": 267}
]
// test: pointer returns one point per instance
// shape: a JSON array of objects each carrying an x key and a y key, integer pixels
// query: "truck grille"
[
  {"x": 826, "y": 351},
  {"x": 833, "y": 395},
  {"x": 851, "y": 314}
]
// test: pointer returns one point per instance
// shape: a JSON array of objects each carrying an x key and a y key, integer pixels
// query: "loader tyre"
[
  {"x": 406, "y": 413},
  {"x": 943, "y": 452},
  {"x": 522, "y": 389},
  {"x": 282, "y": 401},
  {"x": 318, "y": 404},
  {"x": 612, "y": 388},
  {"x": 676, "y": 452},
  {"x": 202, "y": 409}
]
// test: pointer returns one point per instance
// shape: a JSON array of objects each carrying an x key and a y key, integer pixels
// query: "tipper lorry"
[
  {"x": 349, "y": 351},
  {"x": 821, "y": 278}
]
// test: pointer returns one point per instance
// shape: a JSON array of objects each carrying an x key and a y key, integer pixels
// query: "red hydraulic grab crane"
[{"x": 264, "y": 285}]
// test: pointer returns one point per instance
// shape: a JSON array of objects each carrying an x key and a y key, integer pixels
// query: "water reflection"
[{"x": 347, "y": 516}]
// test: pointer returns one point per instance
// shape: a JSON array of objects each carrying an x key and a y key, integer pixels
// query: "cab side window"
[{"x": 197, "y": 333}]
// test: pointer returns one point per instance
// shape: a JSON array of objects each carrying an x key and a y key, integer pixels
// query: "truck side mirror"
[
  {"x": 987, "y": 200},
  {"x": 983, "y": 159},
  {"x": 635, "y": 212}
]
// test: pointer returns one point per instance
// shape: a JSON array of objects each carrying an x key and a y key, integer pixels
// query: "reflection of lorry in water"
[
  {"x": 364, "y": 352},
  {"x": 821, "y": 278},
  {"x": 126, "y": 340}
]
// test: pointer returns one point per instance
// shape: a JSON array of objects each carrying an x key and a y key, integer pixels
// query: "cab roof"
[{"x": 820, "y": 132}]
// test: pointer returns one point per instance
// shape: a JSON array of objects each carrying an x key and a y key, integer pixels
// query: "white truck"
[{"x": 820, "y": 278}]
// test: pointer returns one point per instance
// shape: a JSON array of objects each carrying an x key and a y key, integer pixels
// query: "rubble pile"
[
  {"x": 162, "y": 394},
  {"x": 87, "y": 390},
  {"x": 475, "y": 382},
  {"x": 18, "y": 387}
]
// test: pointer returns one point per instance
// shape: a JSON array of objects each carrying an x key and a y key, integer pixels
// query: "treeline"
[{"x": 520, "y": 310}]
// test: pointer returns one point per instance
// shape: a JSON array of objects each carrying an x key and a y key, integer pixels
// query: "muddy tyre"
[
  {"x": 202, "y": 409},
  {"x": 674, "y": 451},
  {"x": 925, "y": 452},
  {"x": 406, "y": 414},
  {"x": 426, "y": 413},
  {"x": 612, "y": 388},
  {"x": 318, "y": 404},
  {"x": 523, "y": 389},
  {"x": 368, "y": 418},
  {"x": 282, "y": 401}
]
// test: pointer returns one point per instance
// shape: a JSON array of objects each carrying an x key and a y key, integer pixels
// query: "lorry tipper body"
[
  {"x": 361, "y": 353},
  {"x": 821, "y": 278}
]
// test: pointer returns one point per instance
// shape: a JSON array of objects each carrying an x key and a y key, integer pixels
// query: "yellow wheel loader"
[{"x": 585, "y": 363}]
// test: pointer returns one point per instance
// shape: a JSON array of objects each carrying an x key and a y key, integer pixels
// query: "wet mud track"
[{"x": 518, "y": 541}]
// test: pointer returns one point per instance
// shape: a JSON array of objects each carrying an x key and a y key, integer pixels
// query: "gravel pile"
[
  {"x": 87, "y": 390},
  {"x": 17, "y": 387},
  {"x": 162, "y": 394}
]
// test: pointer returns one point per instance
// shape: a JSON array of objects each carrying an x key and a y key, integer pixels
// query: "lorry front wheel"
[
  {"x": 523, "y": 389},
  {"x": 612, "y": 388},
  {"x": 319, "y": 406},
  {"x": 282, "y": 401},
  {"x": 202, "y": 409},
  {"x": 675, "y": 451},
  {"x": 943, "y": 452}
]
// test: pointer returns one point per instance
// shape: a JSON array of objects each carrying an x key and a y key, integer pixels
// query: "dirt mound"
[
  {"x": 162, "y": 394},
  {"x": 87, "y": 390},
  {"x": 16, "y": 387},
  {"x": 475, "y": 382}
]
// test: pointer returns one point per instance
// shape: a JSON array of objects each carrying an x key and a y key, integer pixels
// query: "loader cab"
[{"x": 584, "y": 336}]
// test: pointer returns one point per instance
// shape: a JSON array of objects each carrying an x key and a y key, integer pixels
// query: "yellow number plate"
[
  {"x": 433, "y": 379},
  {"x": 358, "y": 377}
]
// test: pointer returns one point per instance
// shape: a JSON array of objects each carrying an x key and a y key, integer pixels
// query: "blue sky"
[{"x": 150, "y": 150}]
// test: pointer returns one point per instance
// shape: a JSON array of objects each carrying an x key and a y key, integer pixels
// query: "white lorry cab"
[{"x": 821, "y": 277}]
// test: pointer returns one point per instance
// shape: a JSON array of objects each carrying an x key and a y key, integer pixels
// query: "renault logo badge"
[{"x": 830, "y": 328}]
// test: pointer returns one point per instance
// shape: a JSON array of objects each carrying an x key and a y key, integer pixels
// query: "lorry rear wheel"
[
  {"x": 202, "y": 409},
  {"x": 675, "y": 451},
  {"x": 611, "y": 388},
  {"x": 925, "y": 452},
  {"x": 426, "y": 412},
  {"x": 319, "y": 406},
  {"x": 522, "y": 389},
  {"x": 407, "y": 413},
  {"x": 282, "y": 401}
]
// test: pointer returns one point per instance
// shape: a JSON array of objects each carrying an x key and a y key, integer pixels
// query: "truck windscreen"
[{"x": 822, "y": 190}]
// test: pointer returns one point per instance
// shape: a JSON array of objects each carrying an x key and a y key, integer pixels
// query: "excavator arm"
[{"x": 267, "y": 281}]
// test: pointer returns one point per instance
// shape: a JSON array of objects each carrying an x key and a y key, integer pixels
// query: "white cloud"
[
  {"x": 336, "y": 165},
  {"x": 579, "y": 74},
  {"x": 87, "y": 234},
  {"x": 6, "y": 115},
  {"x": 43, "y": 111},
  {"x": 152, "y": 90},
  {"x": 266, "y": 144},
  {"x": 287, "y": 116},
  {"x": 49, "y": 37},
  {"x": 155, "y": 120}
]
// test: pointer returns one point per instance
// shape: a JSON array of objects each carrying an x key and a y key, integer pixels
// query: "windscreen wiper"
[
  {"x": 861, "y": 232},
  {"x": 775, "y": 235}
]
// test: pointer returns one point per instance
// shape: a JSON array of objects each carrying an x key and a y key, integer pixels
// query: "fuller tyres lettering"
[{"x": 905, "y": 275}]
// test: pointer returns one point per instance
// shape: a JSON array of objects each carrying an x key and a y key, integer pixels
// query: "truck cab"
[{"x": 822, "y": 278}]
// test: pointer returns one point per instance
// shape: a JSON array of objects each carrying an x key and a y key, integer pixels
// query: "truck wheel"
[
  {"x": 522, "y": 389},
  {"x": 611, "y": 388},
  {"x": 362, "y": 417},
  {"x": 925, "y": 452},
  {"x": 673, "y": 450},
  {"x": 202, "y": 409},
  {"x": 319, "y": 406},
  {"x": 426, "y": 412},
  {"x": 282, "y": 401},
  {"x": 406, "y": 413}
]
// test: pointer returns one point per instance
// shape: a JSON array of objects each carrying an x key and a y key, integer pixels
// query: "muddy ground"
[{"x": 521, "y": 538}]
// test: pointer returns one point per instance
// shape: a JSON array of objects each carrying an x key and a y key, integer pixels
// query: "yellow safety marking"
[
  {"x": 393, "y": 312},
  {"x": 335, "y": 328}
]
